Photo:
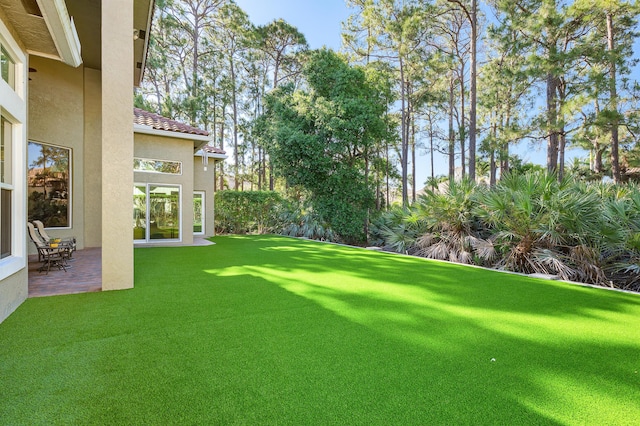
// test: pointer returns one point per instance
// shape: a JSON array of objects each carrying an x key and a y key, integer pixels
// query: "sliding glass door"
[{"x": 156, "y": 212}]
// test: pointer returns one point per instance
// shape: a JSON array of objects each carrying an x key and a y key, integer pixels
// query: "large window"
[
  {"x": 49, "y": 181},
  {"x": 156, "y": 212},
  {"x": 7, "y": 68},
  {"x": 6, "y": 188}
]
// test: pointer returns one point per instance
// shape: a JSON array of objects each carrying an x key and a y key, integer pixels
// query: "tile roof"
[
  {"x": 213, "y": 150},
  {"x": 158, "y": 122}
]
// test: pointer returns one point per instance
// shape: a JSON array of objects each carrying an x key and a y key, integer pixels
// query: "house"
[
  {"x": 68, "y": 147},
  {"x": 173, "y": 180}
]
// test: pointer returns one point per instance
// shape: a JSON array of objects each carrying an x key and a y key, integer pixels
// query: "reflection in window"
[
  {"x": 7, "y": 68},
  {"x": 5, "y": 151},
  {"x": 49, "y": 183},
  {"x": 156, "y": 212},
  {"x": 157, "y": 166},
  {"x": 198, "y": 213}
]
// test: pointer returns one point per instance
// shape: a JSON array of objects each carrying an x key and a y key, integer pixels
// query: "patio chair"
[
  {"x": 67, "y": 242},
  {"x": 49, "y": 256},
  {"x": 52, "y": 257}
]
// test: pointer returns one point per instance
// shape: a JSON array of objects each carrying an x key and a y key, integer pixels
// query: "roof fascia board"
[
  {"x": 212, "y": 155},
  {"x": 63, "y": 31},
  {"x": 137, "y": 128},
  {"x": 146, "y": 42}
]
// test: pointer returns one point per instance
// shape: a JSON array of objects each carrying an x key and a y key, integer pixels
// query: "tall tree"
[
  {"x": 282, "y": 43},
  {"x": 234, "y": 32},
  {"x": 470, "y": 10},
  {"x": 317, "y": 138},
  {"x": 548, "y": 33}
]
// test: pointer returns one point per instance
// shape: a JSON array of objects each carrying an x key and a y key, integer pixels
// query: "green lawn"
[{"x": 271, "y": 330}]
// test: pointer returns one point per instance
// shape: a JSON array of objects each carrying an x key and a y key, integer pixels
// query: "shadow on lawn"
[
  {"x": 266, "y": 330},
  {"x": 559, "y": 348}
]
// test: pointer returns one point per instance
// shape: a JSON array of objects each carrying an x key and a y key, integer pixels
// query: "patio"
[{"x": 83, "y": 276}]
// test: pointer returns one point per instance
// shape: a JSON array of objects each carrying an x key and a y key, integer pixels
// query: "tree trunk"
[
  {"x": 492, "y": 171},
  {"x": 452, "y": 147},
  {"x": 472, "y": 94},
  {"x": 413, "y": 161},
  {"x": 613, "y": 95},
  {"x": 431, "y": 148},
  {"x": 462, "y": 133},
  {"x": 222, "y": 148},
  {"x": 234, "y": 106},
  {"x": 404, "y": 144},
  {"x": 552, "y": 121}
]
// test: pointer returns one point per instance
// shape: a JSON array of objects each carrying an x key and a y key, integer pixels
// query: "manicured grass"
[{"x": 271, "y": 330}]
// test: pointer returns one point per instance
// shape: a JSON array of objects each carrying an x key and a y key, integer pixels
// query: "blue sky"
[{"x": 320, "y": 22}]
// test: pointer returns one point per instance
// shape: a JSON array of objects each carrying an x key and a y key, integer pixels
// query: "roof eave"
[
  {"x": 142, "y": 59},
  {"x": 198, "y": 140},
  {"x": 215, "y": 156},
  {"x": 62, "y": 30}
]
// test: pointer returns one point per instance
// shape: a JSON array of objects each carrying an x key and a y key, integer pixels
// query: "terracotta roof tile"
[
  {"x": 213, "y": 150},
  {"x": 158, "y": 122}
]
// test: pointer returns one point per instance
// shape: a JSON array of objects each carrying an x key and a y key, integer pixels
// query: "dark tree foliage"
[{"x": 319, "y": 138}]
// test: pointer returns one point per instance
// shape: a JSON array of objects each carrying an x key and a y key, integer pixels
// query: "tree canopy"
[{"x": 318, "y": 137}]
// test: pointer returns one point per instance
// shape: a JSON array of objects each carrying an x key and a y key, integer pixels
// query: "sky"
[{"x": 320, "y": 21}]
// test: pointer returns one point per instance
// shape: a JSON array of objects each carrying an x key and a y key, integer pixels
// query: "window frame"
[
  {"x": 13, "y": 108},
  {"x": 203, "y": 211},
  {"x": 11, "y": 77},
  {"x": 156, "y": 171},
  {"x": 69, "y": 184},
  {"x": 147, "y": 238}
]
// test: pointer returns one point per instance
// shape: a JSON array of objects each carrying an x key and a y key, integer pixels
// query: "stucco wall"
[
  {"x": 203, "y": 180},
  {"x": 163, "y": 148},
  {"x": 13, "y": 291},
  {"x": 92, "y": 160},
  {"x": 117, "y": 144},
  {"x": 56, "y": 116}
]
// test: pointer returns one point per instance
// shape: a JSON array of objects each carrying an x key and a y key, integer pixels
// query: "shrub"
[{"x": 241, "y": 212}]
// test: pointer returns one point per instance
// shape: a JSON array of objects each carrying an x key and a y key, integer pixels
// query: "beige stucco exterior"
[
  {"x": 89, "y": 109},
  {"x": 204, "y": 180},
  {"x": 117, "y": 144},
  {"x": 86, "y": 108},
  {"x": 56, "y": 95},
  {"x": 170, "y": 149},
  {"x": 194, "y": 177}
]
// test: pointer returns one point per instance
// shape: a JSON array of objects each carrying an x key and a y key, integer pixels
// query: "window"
[
  {"x": 49, "y": 182},
  {"x": 7, "y": 68},
  {"x": 156, "y": 212},
  {"x": 157, "y": 166},
  {"x": 5, "y": 151},
  {"x": 198, "y": 213},
  {"x": 6, "y": 189},
  {"x": 13, "y": 161}
]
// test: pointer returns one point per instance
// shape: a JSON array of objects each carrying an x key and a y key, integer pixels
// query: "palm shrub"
[
  {"x": 451, "y": 230},
  {"x": 540, "y": 225},
  {"x": 621, "y": 212},
  {"x": 393, "y": 231}
]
